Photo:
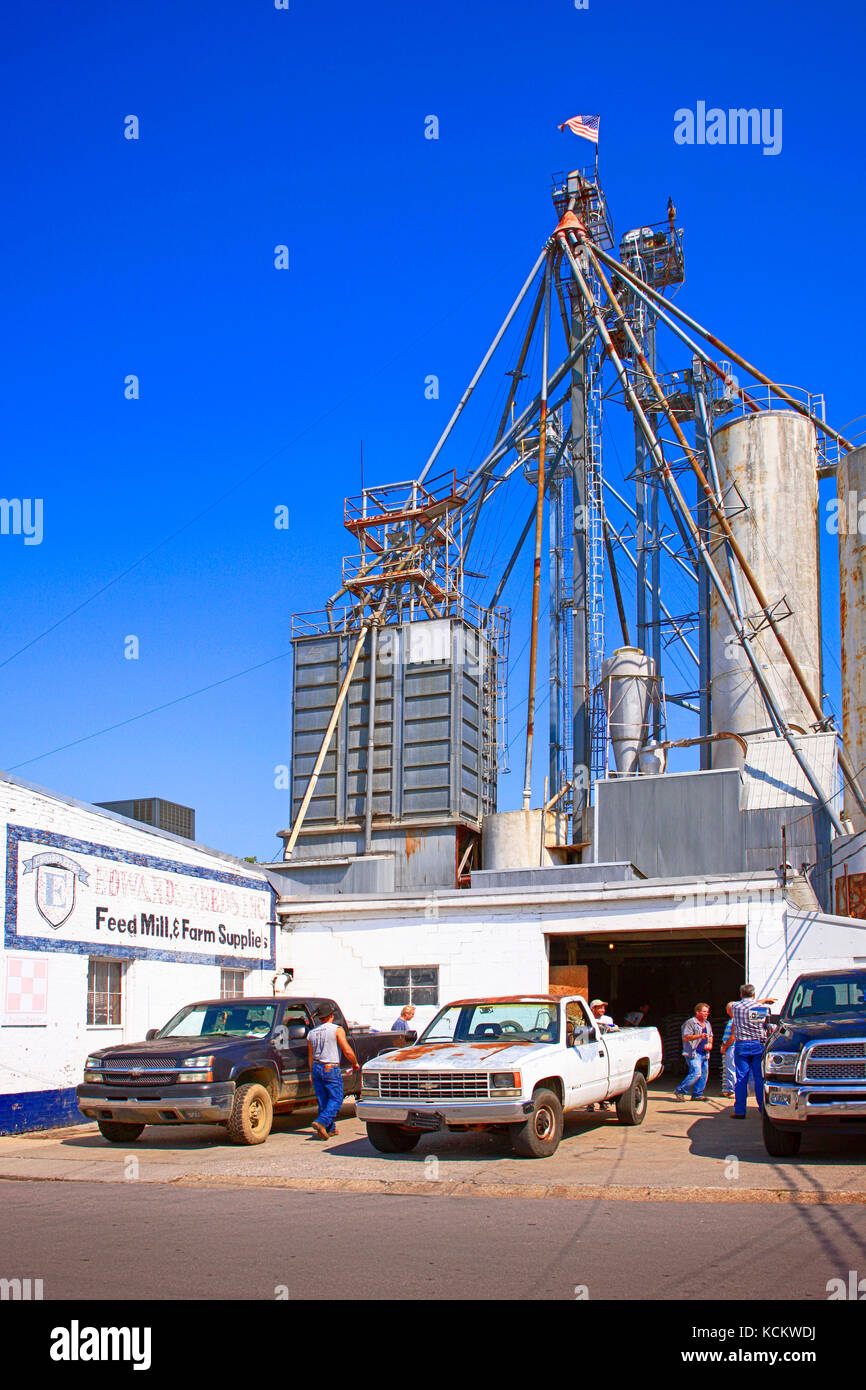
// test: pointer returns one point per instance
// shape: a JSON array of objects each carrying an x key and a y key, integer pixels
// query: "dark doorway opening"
[{"x": 671, "y": 973}]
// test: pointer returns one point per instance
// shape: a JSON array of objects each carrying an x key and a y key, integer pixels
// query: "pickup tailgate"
[{"x": 628, "y": 1046}]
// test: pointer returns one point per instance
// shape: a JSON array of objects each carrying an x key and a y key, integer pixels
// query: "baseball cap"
[{"x": 602, "y": 1002}]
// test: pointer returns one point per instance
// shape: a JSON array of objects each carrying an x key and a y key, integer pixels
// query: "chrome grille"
[
  {"x": 838, "y": 1051},
  {"x": 836, "y": 1061},
  {"x": 434, "y": 1085},
  {"x": 153, "y": 1070},
  {"x": 835, "y": 1071}
]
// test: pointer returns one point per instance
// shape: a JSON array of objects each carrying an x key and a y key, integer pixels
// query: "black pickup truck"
[
  {"x": 233, "y": 1062},
  {"x": 815, "y": 1063}
]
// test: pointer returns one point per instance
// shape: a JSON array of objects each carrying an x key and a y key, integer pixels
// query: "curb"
[{"x": 529, "y": 1191}]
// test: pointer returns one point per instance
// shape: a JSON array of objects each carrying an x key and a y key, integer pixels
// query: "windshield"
[
  {"x": 505, "y": 1022},
  {"x": 221, "y": 1020},
  {"x": 820, "y": 996}
]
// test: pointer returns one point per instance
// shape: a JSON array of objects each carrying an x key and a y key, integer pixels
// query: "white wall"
[
  {"x": 343, "y": 960},
  {"x": 799, "y": 942},
  {"x": 496, "y": 945}
]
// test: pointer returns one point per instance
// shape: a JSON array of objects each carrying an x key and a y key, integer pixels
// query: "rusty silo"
[
  {"x": 768, "y": 474},
  {"x": 851, "y": 485}
]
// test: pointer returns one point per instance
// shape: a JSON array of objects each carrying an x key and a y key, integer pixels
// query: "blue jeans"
[
  {"x": 729, "y": 1072},
  {"x": 698, "y": 1072},
  {"x": 328, "y": 1086},
  {"x": 747, "y": 1059}
]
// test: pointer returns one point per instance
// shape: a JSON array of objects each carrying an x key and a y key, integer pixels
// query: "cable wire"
[{"x": 155, "y": 710}]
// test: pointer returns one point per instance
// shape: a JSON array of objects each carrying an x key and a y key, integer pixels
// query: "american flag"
[{"x": 587, "y": 126}]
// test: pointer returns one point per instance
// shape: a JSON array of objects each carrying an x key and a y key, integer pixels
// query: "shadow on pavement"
[
  {"x": 192, "y": 1137},
  {"x": 463, "y": 1147},
  {"x": 720, "y": 1136}
]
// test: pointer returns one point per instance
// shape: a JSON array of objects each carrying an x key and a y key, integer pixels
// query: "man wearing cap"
[
  {"x": 324, "y": 1045},
  {"x": 606, "y": 1025},
  {"x": 598, "y": 1007}
]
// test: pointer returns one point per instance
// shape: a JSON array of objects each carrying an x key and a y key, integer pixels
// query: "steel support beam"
[
  {"x": 662, "y": 464},
  {"x": 482, "y": 365},
  {"x": 539, "y": 529}
]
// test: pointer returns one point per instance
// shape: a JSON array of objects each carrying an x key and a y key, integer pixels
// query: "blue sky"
[{"x": 305, "y": 127}]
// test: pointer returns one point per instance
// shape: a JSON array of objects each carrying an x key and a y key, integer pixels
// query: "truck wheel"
[
  {"x": 539, "y": 1137},
  {"x": 631, "y": 1105},
  {"x": 780, "y": 1143},
  {"x": 117, "y": 1133},
  {"x": 391, "y": 1139},
  {"x": 252, "y": 1115}
]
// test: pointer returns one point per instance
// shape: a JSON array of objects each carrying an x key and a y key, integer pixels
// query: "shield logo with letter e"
[
  {"x": 55, "y": 893},
  {"x": 55, "y": 885}
]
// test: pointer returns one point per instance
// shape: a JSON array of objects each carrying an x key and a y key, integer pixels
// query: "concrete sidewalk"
[{"x": 682, "y": 1152}]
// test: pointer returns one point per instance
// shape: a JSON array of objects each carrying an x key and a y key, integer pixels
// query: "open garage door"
[{"x": 669, "y": 970}]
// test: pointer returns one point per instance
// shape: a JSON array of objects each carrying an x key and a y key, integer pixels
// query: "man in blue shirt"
[{"x": 404, "y": 1022}]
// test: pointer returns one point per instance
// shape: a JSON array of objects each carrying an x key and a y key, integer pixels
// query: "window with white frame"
[
  {"x": 232, "y": 983},
  {"x": 104, "y": 992},
  {"x": 410, "y": 984}
]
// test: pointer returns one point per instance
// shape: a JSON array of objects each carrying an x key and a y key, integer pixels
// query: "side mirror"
[
  {"x": 774, "y": 1018},
  {"x": 151, "y": 1034},
  {"x": 593, "y": 1034},
  {"x": 295, "y": 1032}
]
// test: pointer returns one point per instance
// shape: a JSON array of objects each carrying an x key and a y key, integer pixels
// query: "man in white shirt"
[
  {"x": 606, "y": 1025},
  {"x": 598, "y": 1007}
]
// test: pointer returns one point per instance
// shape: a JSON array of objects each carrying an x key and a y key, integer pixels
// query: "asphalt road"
[{"x": 136, "y": 1241}]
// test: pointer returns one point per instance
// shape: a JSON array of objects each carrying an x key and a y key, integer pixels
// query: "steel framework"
[{"x": 414, "y": 538}]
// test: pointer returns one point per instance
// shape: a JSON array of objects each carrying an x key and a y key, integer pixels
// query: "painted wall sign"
[
  {"x": 74, "y": 895},
  {"x": 25, "y": 997}
]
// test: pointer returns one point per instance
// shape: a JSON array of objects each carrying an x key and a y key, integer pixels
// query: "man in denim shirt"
[{"x": 697, "y": 1043}]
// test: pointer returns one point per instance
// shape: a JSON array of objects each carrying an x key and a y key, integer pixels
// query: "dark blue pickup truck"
[
  {"x": 232, "y": 1062},
  {"x": 815, "y": 1063}
]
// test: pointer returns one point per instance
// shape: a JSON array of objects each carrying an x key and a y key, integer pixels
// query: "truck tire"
[
  {"x": 118, "y": 1133},
  {"x": 539, "y": 1137},
  {"x": 391, "y": 1139},
  {"x": 780, "y": 1143},
  {"x": 251, "y": 1116},
  {"x": 631, "y": 1106}
]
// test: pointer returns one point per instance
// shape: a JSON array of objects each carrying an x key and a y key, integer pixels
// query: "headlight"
[
  {"x": 780, "y": 1063},
  {"x": 197, "y": 1062},
  {"x": 93, "y": 1064},
  {"x": 197, "y": 1076},
  {"x": 505, "y": 1083},
  {"x": 370, "y": 1082}
]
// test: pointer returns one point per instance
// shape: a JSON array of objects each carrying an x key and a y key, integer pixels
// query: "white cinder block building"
[
  {"x": 627, "y": 940},
  {"x": 109, "y": 927}
]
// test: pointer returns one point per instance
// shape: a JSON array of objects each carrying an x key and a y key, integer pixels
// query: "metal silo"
[
  {"x": 851, "y": 486},
  {"x": 768, "y": 475},
  {"x": 630, "y": 688}
]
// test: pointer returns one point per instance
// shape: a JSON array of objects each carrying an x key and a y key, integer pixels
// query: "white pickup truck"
[{"x": 517, "y": 1063}]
